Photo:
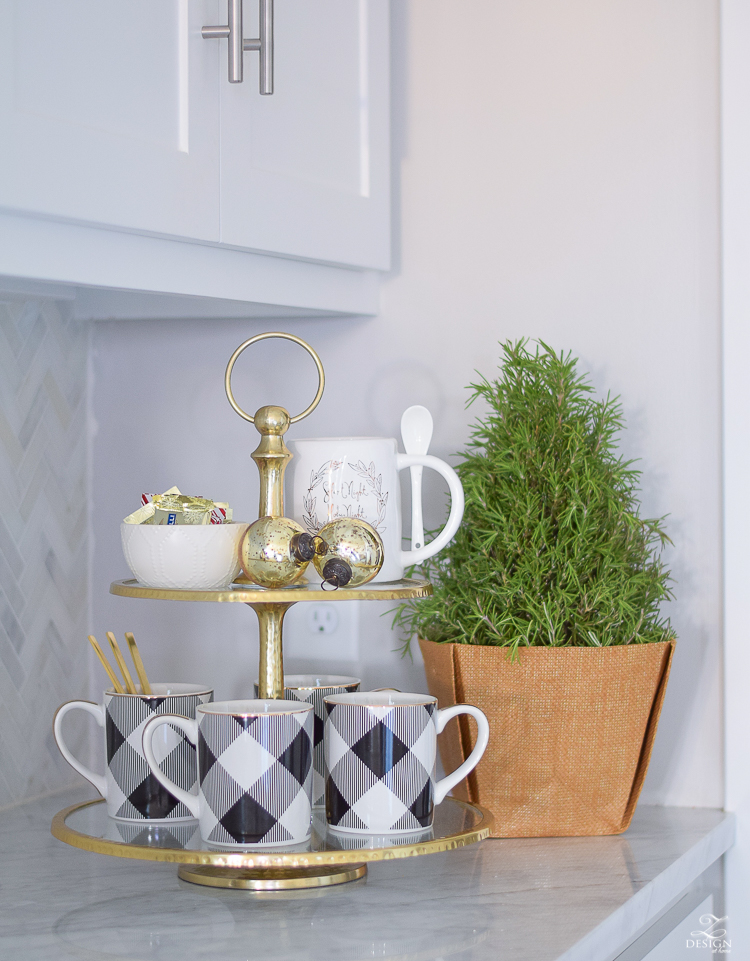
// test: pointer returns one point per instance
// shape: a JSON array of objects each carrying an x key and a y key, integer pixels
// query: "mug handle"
[
  {"x": 97, "y": 712},
  {"x": 189, "y": 728},
  {"x": 407, "y": 558},
  {"x": 451, "y": 780}
]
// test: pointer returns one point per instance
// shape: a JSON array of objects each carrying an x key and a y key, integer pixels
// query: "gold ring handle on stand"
[{"x": 280, "y": 336}]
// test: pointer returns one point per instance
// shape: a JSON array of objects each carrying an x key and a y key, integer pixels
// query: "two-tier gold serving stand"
[{"x": 327, "y": 858}]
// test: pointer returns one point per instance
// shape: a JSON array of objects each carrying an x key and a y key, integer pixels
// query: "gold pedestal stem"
[
  {"x": 271, "y": 669},
  {"x": 271, "y": 456}
]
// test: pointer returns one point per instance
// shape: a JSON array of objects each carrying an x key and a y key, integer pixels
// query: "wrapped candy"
[{"x": 173, "y": 507}]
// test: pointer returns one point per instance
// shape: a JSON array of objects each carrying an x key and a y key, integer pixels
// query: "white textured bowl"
[{"x": 183, "y": 556}]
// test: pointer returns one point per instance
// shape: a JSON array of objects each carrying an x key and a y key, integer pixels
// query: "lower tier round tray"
[{"x": 327, "y": 858}]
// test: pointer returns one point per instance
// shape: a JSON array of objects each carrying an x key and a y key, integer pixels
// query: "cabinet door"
[
  {"x": 109, "y": 113},
  {"x": 305, "y": 172}
]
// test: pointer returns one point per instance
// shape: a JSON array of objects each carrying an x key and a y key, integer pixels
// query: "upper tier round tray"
[
  {"x": 327, "y": 858},
  {"x": 252, "y": 594}
]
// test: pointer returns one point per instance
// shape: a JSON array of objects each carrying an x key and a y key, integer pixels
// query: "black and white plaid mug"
[
  {"x": 380, "y": 753},
  {"x": 255, "y": 767},
  {"x": 132, "y": 793},
  {"x": 313, "y": 689}
]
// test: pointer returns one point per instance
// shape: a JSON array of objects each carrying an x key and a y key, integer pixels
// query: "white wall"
[
  {"x": 555, "y": 176},
  {"x": 736, "y": 303}
]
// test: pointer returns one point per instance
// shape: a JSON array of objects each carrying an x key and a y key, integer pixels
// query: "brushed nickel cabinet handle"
[{"x": 232, "y": 33}]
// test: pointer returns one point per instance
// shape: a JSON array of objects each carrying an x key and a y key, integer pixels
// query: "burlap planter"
[{"x": 571, "y": 731}]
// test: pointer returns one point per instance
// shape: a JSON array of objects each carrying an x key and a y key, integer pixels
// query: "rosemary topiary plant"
[{"x": 552, "y": 550}]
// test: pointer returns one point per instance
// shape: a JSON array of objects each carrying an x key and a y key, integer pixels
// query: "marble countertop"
[{"x": 546, "y": 899}]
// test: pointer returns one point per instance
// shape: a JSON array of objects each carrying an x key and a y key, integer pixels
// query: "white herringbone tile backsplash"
[{"x": 43, "y": 538}]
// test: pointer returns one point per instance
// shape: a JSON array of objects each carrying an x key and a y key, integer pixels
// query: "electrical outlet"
[
  {"x": 322, "y": 618},
  {"x": 328, "y": 631}
]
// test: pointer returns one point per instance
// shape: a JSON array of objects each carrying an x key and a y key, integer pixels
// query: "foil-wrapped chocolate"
[
  {"x": 173, "y": 507},
  {"x": 181, "y": 509}
]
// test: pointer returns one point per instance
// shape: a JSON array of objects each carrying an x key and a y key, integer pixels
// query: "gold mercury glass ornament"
[
  {"x": 275, "y": 551},
  {"x": 354, "y": 553}
]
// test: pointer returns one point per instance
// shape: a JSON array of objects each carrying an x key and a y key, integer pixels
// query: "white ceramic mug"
[
  {"x": 313, "y": 689},
  {"x": 131, "y": 792},
  {"x": 358, "y": 477},
  {"x": 255, "y": 770},
  {"x": 380, "y": 753}
]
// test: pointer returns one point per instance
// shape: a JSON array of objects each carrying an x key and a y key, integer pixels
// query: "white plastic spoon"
[{"x": 416, "y": 433}]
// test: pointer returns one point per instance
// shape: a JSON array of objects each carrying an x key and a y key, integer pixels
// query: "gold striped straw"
[
  {"x": 129, "y": 686},
  {"x": 140, "y": 670}
]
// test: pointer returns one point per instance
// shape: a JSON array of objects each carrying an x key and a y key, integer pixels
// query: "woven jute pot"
[{"x": 571, "y": 731}]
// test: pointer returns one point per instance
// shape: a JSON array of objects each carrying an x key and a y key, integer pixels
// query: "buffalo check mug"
[
  {"x": 131, "y": 791},
  {"x": 255, "y": 767},
  {"x": 313, "y": 689},
  {"x": 380, "y": 753}
]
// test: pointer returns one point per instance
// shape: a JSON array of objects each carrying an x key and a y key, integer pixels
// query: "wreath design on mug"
[
  {"x": 309, "y": 514},
  {"x": 367, "y": 473},
  {"x": 375, "y": 483}
]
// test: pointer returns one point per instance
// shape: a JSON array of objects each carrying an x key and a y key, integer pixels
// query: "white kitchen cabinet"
[
  {"x": 305, "y": 172},
  {"x": 109, "y": 114},
  {"x": 118, "y": 118}
]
